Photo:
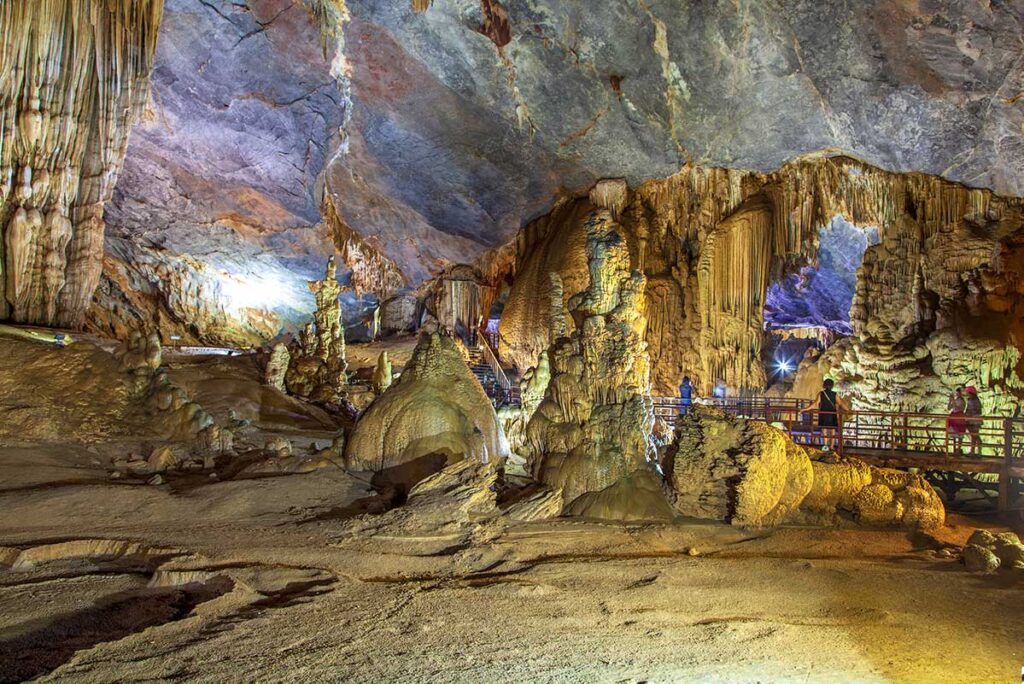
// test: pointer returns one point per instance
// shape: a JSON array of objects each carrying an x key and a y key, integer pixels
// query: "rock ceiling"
[{"x": 451, "y": 127}]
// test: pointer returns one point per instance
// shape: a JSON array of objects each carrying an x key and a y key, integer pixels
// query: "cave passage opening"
[{"x": 811, "y": 307}]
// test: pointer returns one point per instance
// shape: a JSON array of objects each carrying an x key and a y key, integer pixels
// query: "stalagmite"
[
  {"x": 382, "y": 374},
  {"x": 590, "y": 437},
  {"x": 437, "y": 411},
  {"x": 318, "y": 365}
]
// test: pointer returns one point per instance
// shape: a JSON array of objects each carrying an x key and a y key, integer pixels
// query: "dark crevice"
[{"x": 52, "y": 642}]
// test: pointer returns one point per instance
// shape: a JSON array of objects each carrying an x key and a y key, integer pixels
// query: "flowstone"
[
  {"x": 592, "y": 430},
  {"x": 437, "y": 407}
]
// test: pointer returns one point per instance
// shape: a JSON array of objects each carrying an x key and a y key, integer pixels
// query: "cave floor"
[{"x": 260, "y": 579}]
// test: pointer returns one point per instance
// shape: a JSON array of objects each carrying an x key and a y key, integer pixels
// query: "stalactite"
[
  {"x": 461, "y": 300},
  {"x": 724, "y": 235},
  {"x": 73, "y": 79},
  {"x": 371, "y": 271},
  {"x": 421, "y": 5}
]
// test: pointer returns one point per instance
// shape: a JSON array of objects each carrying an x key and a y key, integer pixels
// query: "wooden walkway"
[{"x": 950, "y": 455}]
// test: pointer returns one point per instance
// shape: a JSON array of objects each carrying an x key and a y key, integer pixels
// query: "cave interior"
[{"x": 345, "y": 340}]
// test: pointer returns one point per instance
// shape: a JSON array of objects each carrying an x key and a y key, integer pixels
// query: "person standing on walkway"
[
  {"x": 685, "y": 396},
  {"x": 956, "y": 424},
  {"x": 829, "y": 407},
  {"x": 972, "y": 409}
]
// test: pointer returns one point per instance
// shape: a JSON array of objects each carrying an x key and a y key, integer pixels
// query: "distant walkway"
[{"x": 895, "y": 439}]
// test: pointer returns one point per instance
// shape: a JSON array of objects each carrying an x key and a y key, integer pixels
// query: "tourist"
[
  {"x": 685, "y": 396},
  {"x": 956, "y": 425},
  {"x": 720, "y": 389},
  {"x": 972, "y": 409},
  {"x": 829, "y": 407}
]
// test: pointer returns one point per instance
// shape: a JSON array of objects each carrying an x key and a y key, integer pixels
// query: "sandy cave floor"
[{"x": 258, "y": 579}]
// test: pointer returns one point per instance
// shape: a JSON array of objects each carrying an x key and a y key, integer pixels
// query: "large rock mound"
[
  {"x": 744, "y": 472},
  {"x": 847, "y": 488},
  {"x": 750, "y": 473},
  {"x": 436, "y": 407}
]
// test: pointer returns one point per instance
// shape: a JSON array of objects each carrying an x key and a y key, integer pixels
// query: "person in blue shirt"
[{"x": 685, "y": 396}]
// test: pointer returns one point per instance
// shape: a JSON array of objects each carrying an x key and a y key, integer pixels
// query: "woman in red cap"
[
  {"x": 972, "y": 410},
  {"x": 956, "y": 425}
]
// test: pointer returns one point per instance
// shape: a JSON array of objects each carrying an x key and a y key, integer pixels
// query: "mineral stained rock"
[
  {"x": 743, "y": 472},
  {"x": 750, "y": 473},
  {"x": 437, "y": 406},
  {"x": 592, "y": 429}
]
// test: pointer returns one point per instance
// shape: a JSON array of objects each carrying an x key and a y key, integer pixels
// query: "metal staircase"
[{"x": 493, "y": 378}]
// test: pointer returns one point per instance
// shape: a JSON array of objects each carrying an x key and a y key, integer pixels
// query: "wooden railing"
[
  {"x": 759, "y": 408},
  {"x": 993, "y": 444}
]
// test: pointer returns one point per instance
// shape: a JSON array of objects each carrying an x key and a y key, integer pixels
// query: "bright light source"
[
  {"x": 783, "y": 366},
  {"x": 263, "y": 291}
]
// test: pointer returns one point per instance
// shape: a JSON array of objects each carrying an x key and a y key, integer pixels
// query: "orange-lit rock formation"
[
  {"x": 591, "y": 435},
  {"x": 710, "y": 242}
]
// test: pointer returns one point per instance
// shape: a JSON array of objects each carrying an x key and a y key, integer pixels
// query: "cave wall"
[
  {"x": 943, "y": 282},
  {"x": 407, "y": 136},
  {"x": 73, "y": 79},
  {"x": 215, "y": 226}
]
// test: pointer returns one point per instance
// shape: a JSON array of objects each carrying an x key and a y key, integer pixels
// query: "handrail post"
[{"x": 1004, "y": 474}]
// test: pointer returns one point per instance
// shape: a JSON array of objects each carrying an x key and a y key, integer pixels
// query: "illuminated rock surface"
[
  {"x": 246, "y": 468},
  {"x": 592, "y": 431},
  {"x": 437, "y": 407}
]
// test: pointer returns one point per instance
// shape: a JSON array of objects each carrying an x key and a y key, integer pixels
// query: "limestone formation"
[
  {"x": 750, "y": 473},
  {"x": 514, "y": 419},
  {"x": 69, "y": 99},
  {"x": 743, "y": 472},
  {"x": 847, "y": 488},
  {"x": 460, "y": 300},
  {"x": 592, "y": 430},
  {"x": 317, "y": 369},
  {"x": 277, "y": 367},
  {"x": 436, "y": 407},
  {"x": 932, "y": 307},
  {"x": 987, "y": 552},
  {"x": 448, "y": 508},
  {"x": 399, "y": 314},
  {"x": 382, "y": 376},
  {"x": 176, "y": 417},
  {"x": 541, "y": 504}
]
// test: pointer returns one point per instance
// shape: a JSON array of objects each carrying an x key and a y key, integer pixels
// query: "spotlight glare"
[{"x": 783, "y": 366}]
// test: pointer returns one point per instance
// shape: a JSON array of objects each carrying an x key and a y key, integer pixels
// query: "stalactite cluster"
[
  {"x": 73, "y": 78},
  {"x": 710, "y": 241},
  {"x": 371, "y": 271},
  {"x": 460, "y": 299}
]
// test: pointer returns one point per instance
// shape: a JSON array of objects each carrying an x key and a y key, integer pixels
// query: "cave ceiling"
[{"x": 447, "y": 130}]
